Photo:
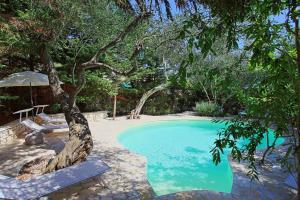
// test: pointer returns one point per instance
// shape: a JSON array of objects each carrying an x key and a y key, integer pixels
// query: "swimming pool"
[{"x": 178, "y": 155}]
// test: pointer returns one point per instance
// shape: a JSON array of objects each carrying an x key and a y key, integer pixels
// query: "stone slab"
[{"x": 45, "y": 184}]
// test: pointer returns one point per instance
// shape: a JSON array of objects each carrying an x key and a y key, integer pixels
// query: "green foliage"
[
  {"x": 55, "y": 107},
  {"x": 204, "y": 108},
  {"x": 158, "y": 105},
  {"x": 5, "y": 97},
  {"x": 156, "y": 110},
  {"x": 141, "y": 73},
  {"x": 235, "y": 130},
  {"x": 219, "y": 75},
  {"x": 85, "y": 31},
  {"x": 97, "y": 85},
  {"x": 269, "y": 91}
]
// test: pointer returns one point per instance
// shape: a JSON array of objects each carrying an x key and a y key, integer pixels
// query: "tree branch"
[
  {"x": 267, "y": 150},
  {"x": 141, "y": 5},
  {"x": 92, "y": 63},
  {"x": 287, "y": 21},
  {"x": 119, "y": 38},
  {"x": 81, "y": 76},
  {"x": 79, "y": 85},
  {"x": 113, "y": 69}
]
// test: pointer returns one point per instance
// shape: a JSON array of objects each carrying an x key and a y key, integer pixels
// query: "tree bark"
[
  {"x": 134, "y": 114},
  {"x": 80, "y": 142}
]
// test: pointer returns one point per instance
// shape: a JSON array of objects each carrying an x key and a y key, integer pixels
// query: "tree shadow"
[
  {"x": 38, "y": 186},
  {"x": 271, "y": 178},
  {"x": 15, "y": 154},
  {"x": 126, "y": 178}
]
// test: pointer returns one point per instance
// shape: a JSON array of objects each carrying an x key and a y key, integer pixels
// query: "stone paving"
[
  {"x": 269, "y": 187},
  {"x": 126, "y": 178},
  {"x": 14, "y": 154}
]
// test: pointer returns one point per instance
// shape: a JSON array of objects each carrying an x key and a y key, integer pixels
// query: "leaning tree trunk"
[
  {"x": 136, "y": 112},
  {"x": 80, "y": 141}
]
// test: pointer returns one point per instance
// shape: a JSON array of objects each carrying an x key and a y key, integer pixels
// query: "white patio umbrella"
[{"x": 26, "y": 78}]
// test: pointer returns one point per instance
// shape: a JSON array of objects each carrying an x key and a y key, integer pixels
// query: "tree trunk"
[
  {"x": 205, "y": 91},
  {"x": 80, "y": 142},
  {"x": 297, "y": 43},
  {"x": 115, "y": 107},
  {"x": 136, "y": 112}
]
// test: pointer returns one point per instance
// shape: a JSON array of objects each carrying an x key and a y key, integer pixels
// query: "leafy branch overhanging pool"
[{"x": 178, "y": 155}]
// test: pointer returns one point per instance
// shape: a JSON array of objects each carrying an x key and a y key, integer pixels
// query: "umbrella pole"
[{"x": 31, "y": 101}]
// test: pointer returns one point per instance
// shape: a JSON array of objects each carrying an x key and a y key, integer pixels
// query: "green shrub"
[
  {"x": 55, "y": 107},
  {"x": 207, "y": 108}
]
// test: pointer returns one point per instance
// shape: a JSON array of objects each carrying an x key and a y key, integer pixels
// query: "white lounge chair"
[
  {"x": 45, "y": 117},
  {"x": 26, "y": 111},
  {"x": 48, "y": 119},
  {"x": 38, "y": 107},
  {"x": 12, "y": 188},
  {"x": 34, "y": 126},
  {"x": 43, "y": 128}
]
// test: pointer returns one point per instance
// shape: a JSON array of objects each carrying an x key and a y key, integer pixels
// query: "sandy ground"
[{"x": 106, "y": 131}]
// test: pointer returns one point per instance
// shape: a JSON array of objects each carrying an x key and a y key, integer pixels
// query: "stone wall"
[
  {"x": 90, "y": 116},
  {"x": 96, "y": 116},
  {"x": 10, "y": 131}
]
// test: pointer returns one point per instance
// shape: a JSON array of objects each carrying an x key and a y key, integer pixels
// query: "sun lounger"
[
  {"x": 12, "y": 188},
  {"x": 34, "y": 126},
  {"x": 48, "y": 119},
  {"x": 44, "y": 128},
  {"x": 45, "y": 117},
  {"x": 38, "y": 107},
  {"x": 26, "y": 111}
]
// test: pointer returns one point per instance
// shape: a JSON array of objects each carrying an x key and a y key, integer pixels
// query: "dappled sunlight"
[
  {"x": 126, "y": 177},
  {"x": 42, "y": 185},
  {"x": 15, "y": 154},
  {"x": 271, "y": 178}
]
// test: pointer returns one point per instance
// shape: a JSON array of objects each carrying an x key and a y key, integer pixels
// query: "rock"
[{"x": 34, "y": 138}]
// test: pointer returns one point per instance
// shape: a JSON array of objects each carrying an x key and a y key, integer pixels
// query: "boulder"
[{"x": 34, "y": 138}]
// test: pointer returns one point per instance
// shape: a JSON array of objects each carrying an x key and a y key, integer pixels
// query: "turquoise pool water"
[{"x": 178, "y": 155}]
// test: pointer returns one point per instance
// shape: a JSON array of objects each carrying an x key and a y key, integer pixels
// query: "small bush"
[
  {"x": 55, "y": 107},
  {"x": 207, "y": 109}
]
